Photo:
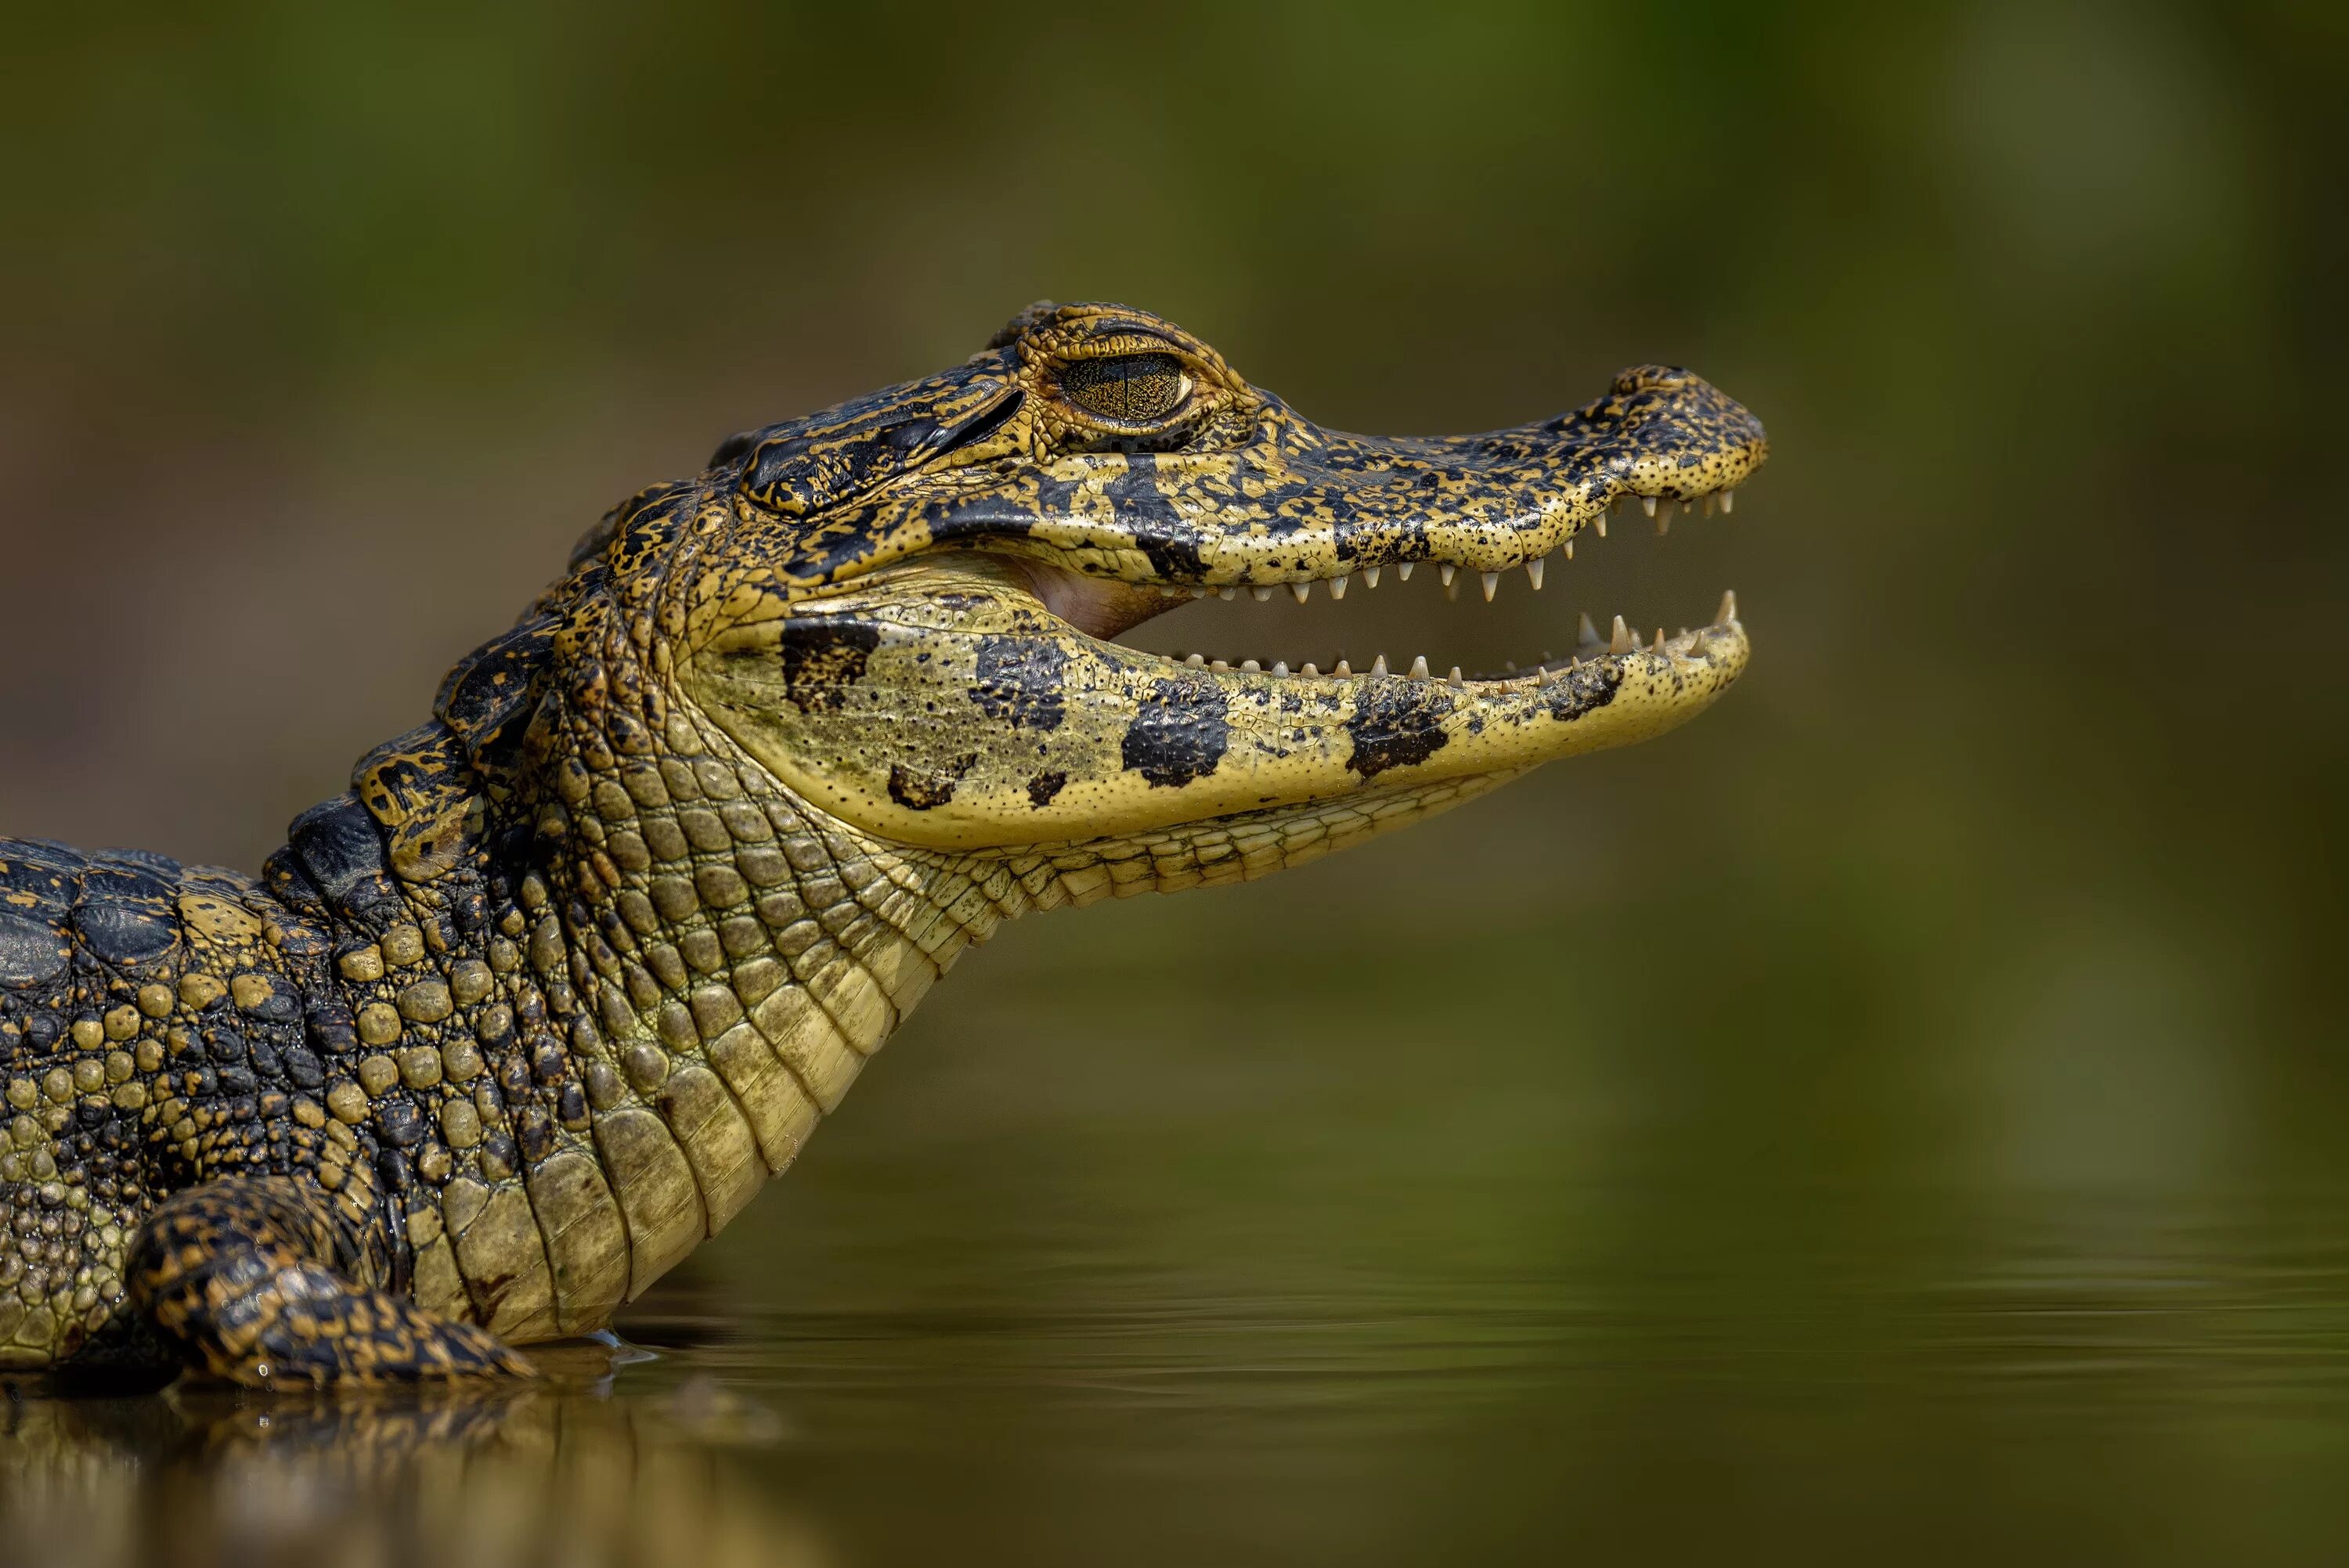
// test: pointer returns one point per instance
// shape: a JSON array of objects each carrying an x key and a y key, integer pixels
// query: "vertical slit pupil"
[{"x": 1131, "y": 387}]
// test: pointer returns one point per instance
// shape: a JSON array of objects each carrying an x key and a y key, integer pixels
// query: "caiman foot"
[{"x": 240, "y": 1274}]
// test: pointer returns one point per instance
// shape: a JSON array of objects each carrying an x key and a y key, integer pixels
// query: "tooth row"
[
  {"x": 1618, "y": 642},
  {"x": 1657, "y": 507}
]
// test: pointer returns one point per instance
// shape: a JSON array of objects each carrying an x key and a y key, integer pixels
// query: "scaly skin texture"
[{"x": 502, "y": 1034}]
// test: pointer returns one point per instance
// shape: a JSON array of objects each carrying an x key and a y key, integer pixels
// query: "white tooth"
[
  {"x": 1533, "y": 572},
  {"x": 1454, "y": 677},
  {"x": 1419, "y": 667},
  {"x": 1659, "y": 642},
  {"x": 1587, "y": 634},
  {"x": 1697, "y": 648},
  {"x": 1727, "y": 614},
  {"x": 1620, "y": 642},
  {"x": 1344, "y": 671},
  {"x": 1250, "y": 667},
  {"x": 1664, "y": 519},
  {"x": 1492, "y": 580},
  {"x": 1308, "y": 669},
  {"x": 1228, "y": 595},
  {"x": 1303, "y": 590},
  {"x": 1280, "y": 666},
  {"x": 1218, "y": 664},
  {"x": 1403, "y": 570},
  {"x": 1378, "y": 666},
  {"x": 1709, "y": 501},
  {"x": 1728, "y": 502},
  {"x": 1370, "y": 576},
  {"x": 1569, "y": 550},
  {"x": 1648, "y": 504},
  {"x": 1196, "y": 661},
  {"x": 1338, "y": 587},
  {"x": 1261, "y": 594},
  {"x": 1446, "y": 571}
]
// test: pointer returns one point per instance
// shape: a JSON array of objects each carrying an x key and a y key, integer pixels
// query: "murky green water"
[{"x": 2128, "y": 1386}]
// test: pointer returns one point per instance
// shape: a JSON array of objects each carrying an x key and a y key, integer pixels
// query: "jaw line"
[
  {"x": 1701, "y": 662},
  {"x": 1100, "y": 609}
]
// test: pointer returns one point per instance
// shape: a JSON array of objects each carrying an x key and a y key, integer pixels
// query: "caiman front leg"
[{"x": 243, "y": 1275}]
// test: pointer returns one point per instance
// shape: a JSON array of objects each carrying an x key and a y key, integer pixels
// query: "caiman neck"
[{"x": 600, "y": 998}]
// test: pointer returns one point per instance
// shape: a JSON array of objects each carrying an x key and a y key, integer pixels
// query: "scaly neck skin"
[{"x": 591, "y": 1017}]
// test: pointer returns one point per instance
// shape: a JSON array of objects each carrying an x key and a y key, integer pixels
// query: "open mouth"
[{"x": 1106, "y": 607}]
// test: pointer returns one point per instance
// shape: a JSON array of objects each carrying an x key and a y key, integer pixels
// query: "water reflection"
[{"x": 575, "y": 1471}]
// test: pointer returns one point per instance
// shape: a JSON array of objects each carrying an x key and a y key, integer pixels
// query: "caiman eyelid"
[
  {"x": 1113, "y": 341},
  {"x": 1125, "y": 343}
]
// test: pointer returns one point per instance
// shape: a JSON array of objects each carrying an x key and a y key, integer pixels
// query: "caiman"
[{"x": 499, "y": 1034}]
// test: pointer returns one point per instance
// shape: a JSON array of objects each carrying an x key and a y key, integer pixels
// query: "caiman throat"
[{"x": 502, "y": 1034}]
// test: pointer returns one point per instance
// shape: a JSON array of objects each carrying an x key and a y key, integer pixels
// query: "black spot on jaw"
[
  {"x": 1592, "y": 686},
  {"x": 1020, "y": 681},
  {"x": 822, "y": 656},
  {"x": 1395, "y": 726},
  {"x": 925, "y": 789},
  {"x": 1181, "y": 733},
  {"x": 1044, "y": 786}
]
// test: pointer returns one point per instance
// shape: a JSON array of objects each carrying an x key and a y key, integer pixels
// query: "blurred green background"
[{"x": 1902, "y": 1113}]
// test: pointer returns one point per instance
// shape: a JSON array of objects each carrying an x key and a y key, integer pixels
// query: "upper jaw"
[
  {"x": 1345, "y": 510},
  {"x": 1300, "y": 504}
]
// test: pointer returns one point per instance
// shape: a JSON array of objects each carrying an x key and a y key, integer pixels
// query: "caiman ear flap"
[
  {"x": 489, "y": 699},
  {"x": 1008, "y": 332}
]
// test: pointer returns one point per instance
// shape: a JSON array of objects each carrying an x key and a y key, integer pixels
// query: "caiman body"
[{"x": 503, "y": 1033}]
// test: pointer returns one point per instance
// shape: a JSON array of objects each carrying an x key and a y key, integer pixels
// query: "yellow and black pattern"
[
  {"x": 251, "y": 1278},
  {"x": 503, "y": 1032}
]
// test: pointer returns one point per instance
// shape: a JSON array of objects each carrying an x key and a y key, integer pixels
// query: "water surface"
[{"x": 1273, "y": 1280}]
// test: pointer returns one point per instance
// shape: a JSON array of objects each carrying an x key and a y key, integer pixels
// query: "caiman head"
[
  {"x": 902, "y": 608},
  {"x": 708, "y": 821}
]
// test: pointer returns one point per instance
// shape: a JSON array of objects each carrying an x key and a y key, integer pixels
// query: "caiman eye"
[{"x": 1131, "y": 388}]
